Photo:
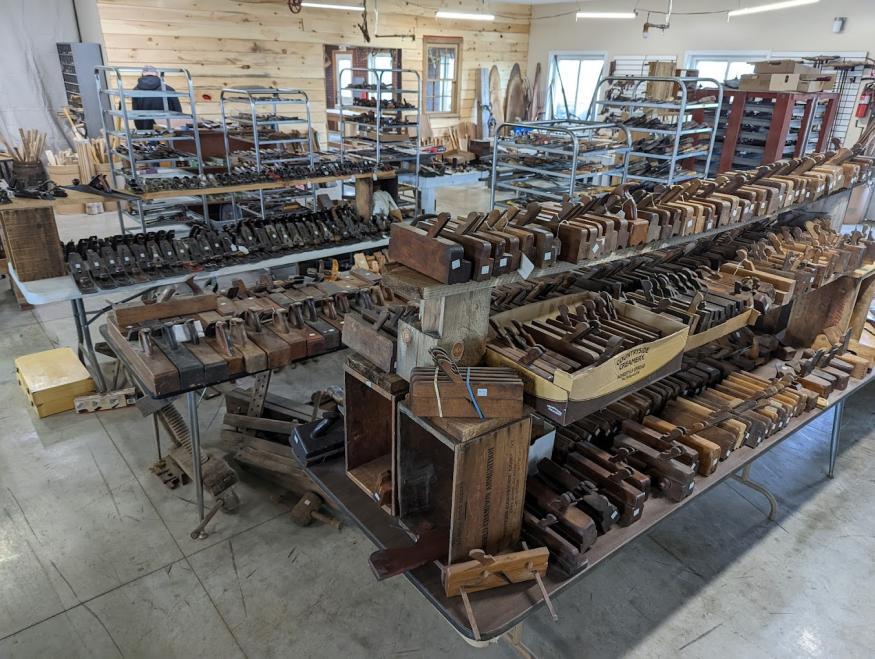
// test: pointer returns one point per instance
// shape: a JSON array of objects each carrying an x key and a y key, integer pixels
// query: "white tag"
[
  {"x": 484, "y": 270},
  {"x": 455, "y": 264},
  {"x": 621, "y": 214},
  {"x": 482, "y": 393},
  {"x": 547, "y": 255},
  {"x": 526, "y": 267},
  {"x": 595, "y": 249},
  {"x": 503, "y": 262}
]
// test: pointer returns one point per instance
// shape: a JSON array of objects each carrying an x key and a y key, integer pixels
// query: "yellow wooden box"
[{"x": 52, "y": 379}]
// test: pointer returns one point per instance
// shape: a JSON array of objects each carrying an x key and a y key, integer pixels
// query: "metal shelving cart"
[
  {"x": 263, "y": 120},
  {"x": 674, "y": 119},
  {"x": 382, "y": 135},
  {"x": 128, "y": 158},
  {"x": 553, "y": 159}
]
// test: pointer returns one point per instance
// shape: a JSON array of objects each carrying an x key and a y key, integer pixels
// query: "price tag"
[
  {"x": 526, "y": 267},
  {"x": 455, "y": 264}
]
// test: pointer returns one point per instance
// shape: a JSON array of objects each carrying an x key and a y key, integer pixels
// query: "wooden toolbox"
[
  {"x": 52, "y": 379},
  {"x": 570, "y": 396},
  {"x": 371, "y": 399},
  {"x": 497, "y": 393},
  {"x": 464, "y": 475}
]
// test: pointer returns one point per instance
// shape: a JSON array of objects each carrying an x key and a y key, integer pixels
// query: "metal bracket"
[{"x": 258, "y": 393}]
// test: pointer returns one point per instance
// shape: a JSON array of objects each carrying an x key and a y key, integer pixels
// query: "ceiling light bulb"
[
  {"x": 464, "y": 16},
  {"x": 787, "y": 4}
]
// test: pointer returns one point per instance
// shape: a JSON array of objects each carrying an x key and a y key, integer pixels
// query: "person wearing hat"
[{"x": 151, "y": 81}]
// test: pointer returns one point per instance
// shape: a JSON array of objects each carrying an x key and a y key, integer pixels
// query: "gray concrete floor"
[{"x": 96, "y": 559}]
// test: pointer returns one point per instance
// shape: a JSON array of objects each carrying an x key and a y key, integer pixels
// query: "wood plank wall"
[{"x": 226, "y": 43}]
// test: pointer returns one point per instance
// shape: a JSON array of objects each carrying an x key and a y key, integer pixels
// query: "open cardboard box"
[{"x": 571, "y": 396}]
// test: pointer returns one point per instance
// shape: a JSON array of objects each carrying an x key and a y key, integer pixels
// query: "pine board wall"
[{"x": 227, "y": 43}]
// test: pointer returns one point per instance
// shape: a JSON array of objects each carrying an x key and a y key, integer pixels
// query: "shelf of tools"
[
  {"x": 380, "y": 124},
  {"x": 270, "y": 120},
  {"x": 660, "y": 113},
  {"x": 454, "y": 470},
  {"x": 146, "y": 143},
  {"x": 760, "y": 127},
  {"x": 557, "y": 159}
]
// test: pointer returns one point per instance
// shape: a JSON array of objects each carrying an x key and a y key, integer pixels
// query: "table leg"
[
  {"x": 514, "y": 638},
  {"x": 428, "y": 200},
  {"x": 744, "y": 479},
  {"x": 194, "y": 426},
  {"x": 834, "y": 437},
  {"x": 86, "y": 347}
]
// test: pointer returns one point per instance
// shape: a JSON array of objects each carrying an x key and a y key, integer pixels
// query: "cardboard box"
[
  {"x": 52, "y": 379},
  {"x": 782, "y": 66},
  {"x": 769, "y": 82},
  {"x": 734, "y": 324},
  {"x": 571, "y": 396},
  {"x": 817, "y": 82}
]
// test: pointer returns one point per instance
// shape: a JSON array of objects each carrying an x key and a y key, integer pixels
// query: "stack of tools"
[
  {"x": 372, "y": 331},
  {"x": 584, "y": 333},
  {"x": 473, "y": 392},
  {"x": 120, "y": 260},
  {"x": 249, "y": 174},
  {"x": 178, "y": 342},
  {"x": 660, "y": 439}
]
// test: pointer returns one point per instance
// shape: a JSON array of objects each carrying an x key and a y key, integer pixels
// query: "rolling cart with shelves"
[
  {"x": 675, "y": 117},
  {"x": 262, "y": 121},
  {"x": 551, "y": 159},
  {"x": 393, "y": 136},
  {"x": 119, "y": 125}
]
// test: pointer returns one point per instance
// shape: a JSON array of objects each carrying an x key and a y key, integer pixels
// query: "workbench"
[
  {"x": 501, "y": 611},
  {"x": 64, "y": 289}
]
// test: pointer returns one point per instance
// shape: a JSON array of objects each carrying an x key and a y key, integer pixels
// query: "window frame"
[
  {"x": 442, "y": 42},
  {"x": 589, "y": 55},
  {"x": 692, "y": 57}
]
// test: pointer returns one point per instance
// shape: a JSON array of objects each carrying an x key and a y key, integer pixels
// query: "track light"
[
  {"x": 322, "y": 5},
  {"x": 606, "y": 14},
  {"x": 464, "y": 16},
  {"x": 787, "y": 4}
]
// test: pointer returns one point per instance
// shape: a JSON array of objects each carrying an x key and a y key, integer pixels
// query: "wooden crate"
[
  {"x": 862, "y": 304},
  {"x": 52, "y": 379},
  {"x": 371, "y": 399},
  {"x": 828, "y": 306},
  {"x": 468, "y": 476},
  {"x": 32, "y": 244}
]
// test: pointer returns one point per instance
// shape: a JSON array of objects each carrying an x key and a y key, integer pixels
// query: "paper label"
[
  {"x": 455, "y": 264},
  {"x": 484, "y": 270},
  {"x": 482, "y": 393},
  {"x": 503, "y": 262},
  {"x": 548, "y": 255},
  {"x": 526, "y": 267}
]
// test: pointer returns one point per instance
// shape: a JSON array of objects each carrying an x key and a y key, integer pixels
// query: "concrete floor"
[{"x": 96, "y": 559}]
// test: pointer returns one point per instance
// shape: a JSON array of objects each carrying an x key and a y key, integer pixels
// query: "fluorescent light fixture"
[
  {"x": 322, "y": 5},
  {"x": 464, "y": 16},
  {"x": 769, "y": 7},
  {"x": 606, "y": 14}
]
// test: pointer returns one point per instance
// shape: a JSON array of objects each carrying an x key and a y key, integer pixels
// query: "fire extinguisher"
[{"x": 865, "y": 104}]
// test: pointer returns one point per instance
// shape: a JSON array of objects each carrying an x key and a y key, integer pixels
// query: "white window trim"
[
  {"x": 581, "y": 54},
  {"x": 729, "y": 55}
]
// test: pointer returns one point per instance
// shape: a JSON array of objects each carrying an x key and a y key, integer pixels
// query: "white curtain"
[{"x": 31, "y": 86}]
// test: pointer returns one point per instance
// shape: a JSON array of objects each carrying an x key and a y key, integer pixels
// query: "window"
[
  {"x": 723, "y": 66},
  {"x": 573, "y": 79},
  {"x": 441, "y": 66},
  {"x": 342, "y": 62}
]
